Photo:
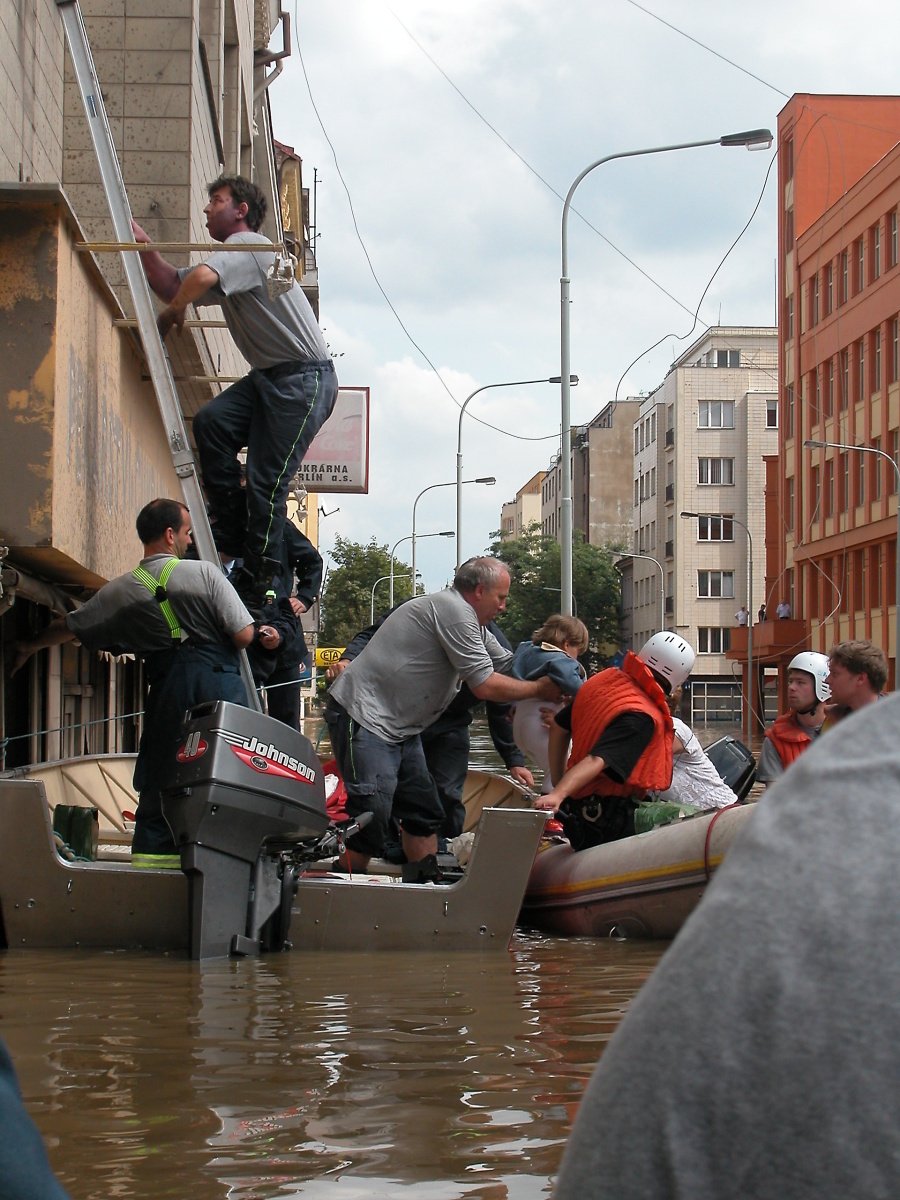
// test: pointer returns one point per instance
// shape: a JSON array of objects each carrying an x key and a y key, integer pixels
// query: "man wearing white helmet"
[
  {"x": 797, "y": 729},
  {"x": 621, "y": 733}
]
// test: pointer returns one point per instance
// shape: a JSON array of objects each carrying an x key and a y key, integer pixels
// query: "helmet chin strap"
[{"x": 808, "y": 712}]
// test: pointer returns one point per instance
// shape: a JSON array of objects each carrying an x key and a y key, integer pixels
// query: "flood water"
[{"x": 314, "y": 1074}]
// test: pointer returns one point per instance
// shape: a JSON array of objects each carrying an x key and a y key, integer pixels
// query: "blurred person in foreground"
[{"x": 761, "y": 1058}]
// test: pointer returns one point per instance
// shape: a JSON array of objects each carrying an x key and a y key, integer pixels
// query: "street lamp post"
[
  {"x": 459, "y": 461},
  {"x": 662, "y": 583},
  {"x": 413, "y": 572},
  {"x": 381, "y": 579},
  {"x": 754, "y": 137},
  {"x": 458, "y": 483},
  {"x": 750, "y": 678},
  {"x": 813, "y": 444}
]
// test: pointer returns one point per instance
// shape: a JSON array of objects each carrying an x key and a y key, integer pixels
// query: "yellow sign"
[{"x": 326, "y": 655}]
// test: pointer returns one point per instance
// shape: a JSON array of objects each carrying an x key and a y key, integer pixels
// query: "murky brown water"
[{"x": 313, "y": 1075}]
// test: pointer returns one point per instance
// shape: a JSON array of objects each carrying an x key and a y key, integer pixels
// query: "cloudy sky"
[{"x": 440, "y": 139}]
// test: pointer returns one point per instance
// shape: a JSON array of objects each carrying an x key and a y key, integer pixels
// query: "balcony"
[{"x": 773, "y": 641}]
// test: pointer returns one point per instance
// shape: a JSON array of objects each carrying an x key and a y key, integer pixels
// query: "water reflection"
[{"x": 291, "y": 1075}]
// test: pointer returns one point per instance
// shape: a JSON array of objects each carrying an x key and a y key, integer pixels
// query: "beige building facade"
[
  {"x": 518, "y": 515},
  {"x": 698, "y": 445}
]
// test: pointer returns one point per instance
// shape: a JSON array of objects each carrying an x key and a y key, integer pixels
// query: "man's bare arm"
[{"x": 503, "y": 688}]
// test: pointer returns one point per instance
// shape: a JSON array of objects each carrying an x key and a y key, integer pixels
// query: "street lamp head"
[
  {"x": 753, "y": 139},
  {"x": 689, "y": 514},
  {"x": 444, "y": 533},
  {"x": 488, "y": 479},
  {"x": 814, "y": 444},
  {"x": 573, "y": 380}
]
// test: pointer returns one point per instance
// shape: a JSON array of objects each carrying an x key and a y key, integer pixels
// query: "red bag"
[{"x": 335, "y": 792}]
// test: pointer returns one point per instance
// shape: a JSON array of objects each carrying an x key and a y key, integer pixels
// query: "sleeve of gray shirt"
[
  {"x": 770, "y": 765},
  {"x": 230, "y": 608},
  {"x": 463, "y": 642}
]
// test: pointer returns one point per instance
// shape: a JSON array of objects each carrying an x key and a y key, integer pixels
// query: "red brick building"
[{"x": 831, "y": 537}]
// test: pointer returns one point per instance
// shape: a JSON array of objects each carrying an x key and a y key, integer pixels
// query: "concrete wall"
[{"x": 82, "y": 443}]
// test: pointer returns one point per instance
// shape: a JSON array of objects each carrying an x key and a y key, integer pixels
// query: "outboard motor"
[{"x": 244, "y": 788}]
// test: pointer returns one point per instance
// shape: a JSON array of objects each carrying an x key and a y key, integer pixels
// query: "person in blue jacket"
[{"x": 553, "y": 650}]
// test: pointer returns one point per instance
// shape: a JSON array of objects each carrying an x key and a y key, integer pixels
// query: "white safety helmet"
[
  {"x": 816, "y": 665},
  {"x": 669, "y": 655}
]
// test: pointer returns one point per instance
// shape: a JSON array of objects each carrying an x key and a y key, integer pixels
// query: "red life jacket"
[
  {"x": 607, "y": 696},
  {"x": 789, "y": 738}
]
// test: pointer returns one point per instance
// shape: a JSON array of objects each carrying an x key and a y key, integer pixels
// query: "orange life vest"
[
  {"x": 607, "y": 696},
  {"x": 789, "y": 738}
]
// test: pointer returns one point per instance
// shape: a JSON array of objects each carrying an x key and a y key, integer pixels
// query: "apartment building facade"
[
  {"x": 698, "y": 445},
  {"x": 832, "y": 538},
  {"x": 519, "y": 514},
  {"x": 185, "y": 86}
]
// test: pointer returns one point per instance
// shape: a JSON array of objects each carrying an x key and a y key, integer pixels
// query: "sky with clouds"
[{"x": 440, "y": 139}]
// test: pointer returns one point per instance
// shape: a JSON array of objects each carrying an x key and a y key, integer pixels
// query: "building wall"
[
  {"x": 31, "y": 92},
  {"x": 525, "y": 510},
  {"x": 677, "y": 427},
  {"x": 839, "y": 341}
]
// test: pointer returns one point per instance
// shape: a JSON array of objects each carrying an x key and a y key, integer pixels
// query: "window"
[
  {"x": 716, "y": 414},
  {"x": 715, "y": 528},
  {"x": 829, "y": 289},
  {"x": 636, "y": 434},
  {"x": 814, "y": 299},
  {"x": 893, "y": 246},
  {"x": 859, "y": 253},
  {"x": 876, "y": 251},
  {"x": 789, "y": 504},
  {"x": 895, "y": 350},
  {"x": 787, "y": 158},
  {"x": 711, "y": 639},
  {"x": 861, "y": 369},
  {"x": 845, "y": 277},
  {"x": 789, "y": 317},
  {"x": 728, "y": 358},
  {"x": 817, "y": 394},
  {"x": 829, "y": 390},
  {"x": 876, "y": 471},
  {"x": 876, "y": 361},
  {"x": 772, "y": 414},
  {"x": 715, "y": 471},
  {"x": 789, "y": 410},
  {"x": 844, "y": 481},
  {"x": 845, "y": 378},
  {"x": 815, "y": 491},
  {"x": 715, "y": 585},
  {"x": 829, "y": 488}
]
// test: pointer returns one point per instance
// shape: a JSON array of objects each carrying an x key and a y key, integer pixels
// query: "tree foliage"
[
  {"x": 533, "y": 560},
  {"x": 347, "y": 591}
]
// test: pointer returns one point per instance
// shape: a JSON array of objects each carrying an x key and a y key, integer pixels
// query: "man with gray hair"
[{"x": 403, "y": 679}]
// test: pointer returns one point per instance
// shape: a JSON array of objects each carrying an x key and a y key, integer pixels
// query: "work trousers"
[
  {"x": 179, "y": 679},
  {"x": 275, "y": 412}
]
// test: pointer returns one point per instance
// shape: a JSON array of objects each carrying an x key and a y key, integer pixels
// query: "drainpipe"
[{"x": 262, "y": 58}]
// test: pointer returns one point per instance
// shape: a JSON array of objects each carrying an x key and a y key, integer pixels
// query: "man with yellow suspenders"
[{"x": 187, "y": 623}]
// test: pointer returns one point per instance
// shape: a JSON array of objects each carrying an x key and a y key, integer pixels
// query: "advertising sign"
[{"x": 338, "y": 458}]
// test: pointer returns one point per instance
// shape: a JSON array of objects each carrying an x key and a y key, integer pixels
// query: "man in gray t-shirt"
[
  {"x": 401, "y": 681},
  {"x": 188, "y": 624},
  {"x": 276, "y": 410}
]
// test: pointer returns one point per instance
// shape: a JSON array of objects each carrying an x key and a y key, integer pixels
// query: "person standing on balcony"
[
  {"x": 783, "y": 610},
  {"x": 276, "y": 410}
]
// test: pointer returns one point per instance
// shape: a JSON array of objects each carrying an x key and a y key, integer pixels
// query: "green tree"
[
  {"x": 533, "y": 560},
  {"x": 347, "y": 592}
]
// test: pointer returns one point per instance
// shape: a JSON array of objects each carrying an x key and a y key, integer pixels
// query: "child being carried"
[{"x": 553, "y": 650}]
